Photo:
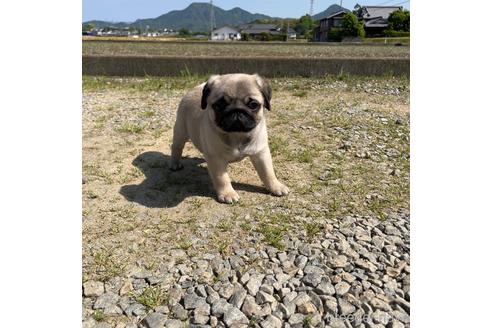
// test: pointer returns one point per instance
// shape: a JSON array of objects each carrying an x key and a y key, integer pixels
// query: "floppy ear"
[
  {"x": 205, "y": 94},
  {"x": 265, "y": 89},
  {"x": 206, "y": 91}
]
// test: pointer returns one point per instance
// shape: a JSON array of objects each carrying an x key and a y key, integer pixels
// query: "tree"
[
  {"x": 184, "y": 32},
  {"x": 87, "y": 27},
  {"x": 351, "y": 26},
  {"x": 399, "y": 20},
  {"x": 304, "y": 25}
]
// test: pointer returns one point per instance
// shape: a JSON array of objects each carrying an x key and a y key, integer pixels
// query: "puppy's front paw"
[
  {"x": 176, "y": 166},
  {"x": 228, "y": 197},
  {"x": 279, "y": 189}
]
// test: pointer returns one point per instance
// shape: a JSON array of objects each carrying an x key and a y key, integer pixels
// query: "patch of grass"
[
  {"x": 157, "y": 133},
  {"x": 97, "y": 171},
  {"x": 304, "y": 156},
  {"x": 273, "y": 235},
  {"x": 312, "y": 228},
  {"x": 152, "y": 296},
  {"x": 221, "y": 243},
  {"x": 98, "y": 315},
  {"x": 91, "y": 194},
  {"x": 307, "y": 320},
  {"x": 106, "y": 266},
  {"x": 148, "y": 113},
  {"x": 277, "y": 145},
  {"x": 300, "y": 94},
  {"x": 185, "y": 243},
  {"x": 132, "y": 128}
]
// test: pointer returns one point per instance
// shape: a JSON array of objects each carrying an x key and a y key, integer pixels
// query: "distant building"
[
  {"x": 322, "y": 32},
  {"x": 256, "y": 30},
  {"x": 375, "y": 18},
  {"x": 226, "y": 33}
]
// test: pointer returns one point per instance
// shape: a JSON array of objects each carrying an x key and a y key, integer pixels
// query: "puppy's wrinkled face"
[{"x": 236, "y": 101}]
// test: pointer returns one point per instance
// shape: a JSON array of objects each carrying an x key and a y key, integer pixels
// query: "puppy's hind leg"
[{"x": 180, "y": 137}]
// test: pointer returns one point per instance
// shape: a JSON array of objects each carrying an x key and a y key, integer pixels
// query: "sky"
[{"x": 130, "y": 10}]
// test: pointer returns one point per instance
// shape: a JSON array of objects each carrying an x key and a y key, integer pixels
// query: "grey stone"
[
  {"x": 174, "y": 295},
  {"x": 381, "y": 317},
  {"x": 325, "y": 288},
  {"x": 191, "y": 301},
  {"x": 262, "y": 297},
  {"x": 312, "y": 279},
  {"x": 379, "y": 304},
  {"x": 234, "y": 317},
  {"x": 342, "y": 288},
  {"x": 400, "y": 316},
  {"x": 135, "y": 309},
  {"x": 301, "y": 261},
  {"x": 254, "y": 284},
  {"x": 179, "y": 312},
  {"x": 250, "y": 308},
  {"x": 301, "y": 298},
  {"x": 345, "y": 307},
  {"x": 331, "y": 305},
  {"x": 112, "y": 309},
  {"x": 226, "y": 290},
  {"x": 106, "y": 300},
  {"x": 173, "y": 323},
  {"x": 201, "y": 314},
  {"x": 283, "y": 312},
  {"x": 267, "y": 289},
  {"x": 339, "y": 261},
  {"x": 93, "y": 288},
  {"x": 213, "y": 296},
  {"x": 296, "y": 319},
  {"x": 154, "y": 320},
  {"x": 200, "y": 291},
  {"x": 395, "y": 324},
  {"x": 271, "y": 322},
  {"x": 238, "y": 296},
  {"x": 306, "y": 308},
  {"x": 102, "y": 325},
  {"x": 220, "y": 307}
]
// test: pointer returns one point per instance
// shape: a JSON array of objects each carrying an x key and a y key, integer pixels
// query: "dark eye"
[{"x": 253, "y": 104}]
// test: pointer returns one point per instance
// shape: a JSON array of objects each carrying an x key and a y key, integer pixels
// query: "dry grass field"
[
  {"x": 244, "y": 49},
  {"x": 340, "y": 144}
]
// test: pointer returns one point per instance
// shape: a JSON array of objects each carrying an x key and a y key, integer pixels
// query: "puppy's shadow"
[{"x": 165, "y": 188}]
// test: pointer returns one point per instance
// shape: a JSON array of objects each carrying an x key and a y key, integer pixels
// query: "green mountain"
[
  {"x": 196, "y": 17},
  {"x": 329, "y": 11}
]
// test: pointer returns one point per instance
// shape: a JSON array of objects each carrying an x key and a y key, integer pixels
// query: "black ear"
[
  {"x": 205, "y": 93},
  {"x": 266, "y": 91}
]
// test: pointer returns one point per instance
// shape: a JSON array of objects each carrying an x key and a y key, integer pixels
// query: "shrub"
[
  {"x": 399, "y": 20},
  {"x": 395, "y": 34},
  {"x": 335, "y": 34},
  {"x": 351, "y": 26}
]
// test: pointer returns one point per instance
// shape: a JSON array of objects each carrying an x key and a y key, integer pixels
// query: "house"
[
  {"x": 225, "y": 33},
  {"x": 322, "y": 32},
  {"x": 375, "y": 18},
  {"x": 257, "y": 30}
]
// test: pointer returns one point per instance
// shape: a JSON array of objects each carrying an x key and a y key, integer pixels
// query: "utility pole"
[
  {"x": 311, "y": 8},
  {"x": 212, "y": 19},
  {"x": 287, "y": 32}
]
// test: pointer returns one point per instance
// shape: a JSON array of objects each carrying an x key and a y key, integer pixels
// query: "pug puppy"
[{"x": 224, "y": 118}]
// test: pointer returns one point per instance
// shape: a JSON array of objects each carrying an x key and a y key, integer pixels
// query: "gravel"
[{"x": 358, "y": 270}]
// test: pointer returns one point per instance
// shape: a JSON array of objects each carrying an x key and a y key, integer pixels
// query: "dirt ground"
[{"x": 340, "y": 144}]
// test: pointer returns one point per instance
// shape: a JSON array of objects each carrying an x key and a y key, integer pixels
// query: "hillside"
[
  {"x": 329, "y": 11},
  {"x": 195, "y": 17}
]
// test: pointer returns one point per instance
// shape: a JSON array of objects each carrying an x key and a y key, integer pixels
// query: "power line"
[{"x": 386, "y": 2}]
